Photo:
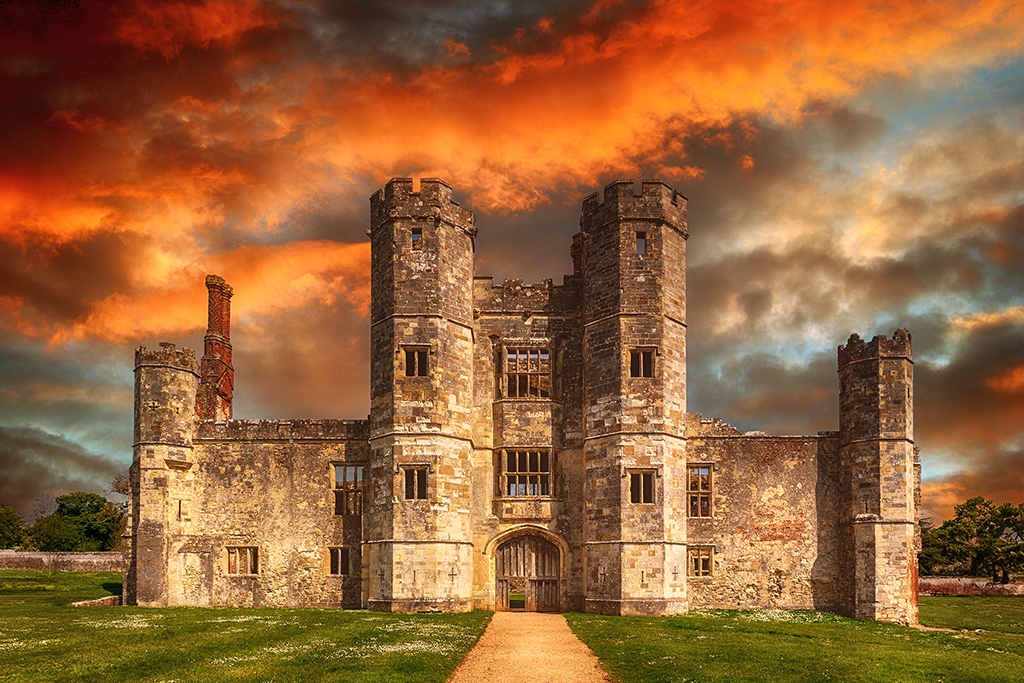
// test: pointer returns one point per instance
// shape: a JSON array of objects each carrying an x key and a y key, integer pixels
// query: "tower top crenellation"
[
  {"x": 856, "y": 349},
  {"x": 434, "y": 201},
  {"x": 168, "y": 355},
  {"x": 656, "y": 201}
]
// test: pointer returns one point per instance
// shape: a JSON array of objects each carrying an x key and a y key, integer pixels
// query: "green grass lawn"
[
  {"x": 758, "y": 646},
  {"x": 42, "y": 638}
]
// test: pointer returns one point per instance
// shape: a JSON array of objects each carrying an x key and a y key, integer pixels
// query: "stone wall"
[
  {"x": 774, "y": 525},
  {"x": 62, "y": 562},
  {"x": 268, "y": 485},
  {"x": 969, "y": 585}
]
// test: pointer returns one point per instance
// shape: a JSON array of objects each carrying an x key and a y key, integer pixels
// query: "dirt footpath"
[{"x": 529, "y": 647}]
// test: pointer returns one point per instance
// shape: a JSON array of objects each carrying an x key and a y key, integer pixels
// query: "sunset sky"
[{"x": 850, "y": 167}]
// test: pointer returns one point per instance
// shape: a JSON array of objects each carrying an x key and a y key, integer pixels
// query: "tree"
[
  {"x": 11, "y": 530},
  {"x": 53, "y": 533},
  {"x": 82, "y": 521},
  {"x": 95, "y": 518},
  {"x": 121, "y": 484},
  {"x": 982, "y": 538}
]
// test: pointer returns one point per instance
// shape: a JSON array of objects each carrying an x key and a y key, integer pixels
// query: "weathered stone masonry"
[{"x": 528, "y": 447}]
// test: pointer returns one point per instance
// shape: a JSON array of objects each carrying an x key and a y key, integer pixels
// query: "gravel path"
[{"x": 529, "y": 647}]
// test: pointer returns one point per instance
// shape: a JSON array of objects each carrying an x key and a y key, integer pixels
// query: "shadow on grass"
[{"x": 112, "y": 588}]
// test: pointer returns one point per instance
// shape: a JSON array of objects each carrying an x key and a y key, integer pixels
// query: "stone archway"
[{"x": 526, "y": 575}]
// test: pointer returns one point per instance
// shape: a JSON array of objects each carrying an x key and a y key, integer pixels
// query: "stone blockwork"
[{"x": 528, "y": 447}]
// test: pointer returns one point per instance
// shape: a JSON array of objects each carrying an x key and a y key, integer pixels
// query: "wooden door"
[{"x": 526, "y": 572}]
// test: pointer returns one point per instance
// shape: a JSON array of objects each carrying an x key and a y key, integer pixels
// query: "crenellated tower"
[
  {"x": 217, "y": 385},
  {"x": 417, "y": 523},
  {"x": 632, "y": 254},
  {"x": 879, "y": 461},
  {"x": 166, "y": 383}
]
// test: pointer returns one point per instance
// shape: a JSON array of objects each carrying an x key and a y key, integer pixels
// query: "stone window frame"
[
  {"x": 540, "y": 472},
  {"x": 418, "y": 484},
  {"x": 339, "y": 560},
  {"x": 700, "y": 493},
  {"x": 528, "y": 380},
  {"x": 347, "y": 493},
  {"x": 700, "y": 561},
  {"x": 415, "y": 358},
  {"x": 639, "y": 494},
  {"x": 642, "y": 362},
  {"x": 416, "y": 238},
  {"x": 247, "y": 554},
  {"x": 641, "y": 242}
]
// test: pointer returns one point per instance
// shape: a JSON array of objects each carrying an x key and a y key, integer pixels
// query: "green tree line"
[
  {"x": 982, "y": 539},
  {"x": 81, "y": 522}
]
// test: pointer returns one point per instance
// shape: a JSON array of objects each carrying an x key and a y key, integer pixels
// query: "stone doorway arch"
[{"x": 526, "y": 575}]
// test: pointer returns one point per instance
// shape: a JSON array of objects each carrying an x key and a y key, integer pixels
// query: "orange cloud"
[
  {"x": 1011, "y": 382},
  {"x": 268, "y": 280},
  {"x": 597, "y": 102},
  {"x": 1001, "y": 479},
  {"x": 167, "y": 27}
]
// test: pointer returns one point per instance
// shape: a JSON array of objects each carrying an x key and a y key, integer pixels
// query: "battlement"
[
  {"x": 856, "y": 350},
  {"x": 168, "y": 356},
  {"x": 291, "y": 431},
  {"x": 656, "y": 201},
  {"x": 512, "y": 296},
  {"x": 434, "y": 200}
]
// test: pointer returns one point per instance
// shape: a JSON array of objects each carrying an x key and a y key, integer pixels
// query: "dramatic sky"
[{"x": 851, "y": 166}]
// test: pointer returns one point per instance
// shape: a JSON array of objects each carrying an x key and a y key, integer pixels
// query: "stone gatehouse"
[{"x": 528, "y": 447}]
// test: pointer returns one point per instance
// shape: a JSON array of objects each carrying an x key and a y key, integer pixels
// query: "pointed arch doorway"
[{"x": 526, "y": 570}]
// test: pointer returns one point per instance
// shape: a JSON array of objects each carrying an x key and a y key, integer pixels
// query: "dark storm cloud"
[
  {"x": 62, "y": 280},
  {"x": 998, "y": 476},
  {"x": 765, "y": 392},
  {"x": 305, "y": 363},
  {"x": 35, "y": 462},
  {"x": 977, "y": 397},
  {"x": 408, "y": 33}
]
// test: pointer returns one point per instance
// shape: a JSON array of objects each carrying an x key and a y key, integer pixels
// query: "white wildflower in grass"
[
  {"x": 268, "y": 619},
  {"x": 132, "y": 621},
  {"x": 11, "y": 644},
  {"x": 15, "y": 644},
  {"x": 790, "y": 617}
]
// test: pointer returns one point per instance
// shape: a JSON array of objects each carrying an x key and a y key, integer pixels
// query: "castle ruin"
[{"x": 528, "y": 447}]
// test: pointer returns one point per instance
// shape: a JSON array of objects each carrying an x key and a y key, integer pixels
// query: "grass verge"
[
  {"x": 773, "y": 645},
  {"x": 42, "y": 638}
]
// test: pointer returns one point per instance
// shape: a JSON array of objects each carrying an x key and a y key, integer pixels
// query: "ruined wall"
[
  {"x": 774, "y": 523},
  {"x": 266, "y": 484},
  {"x": 598, "y": 396}
]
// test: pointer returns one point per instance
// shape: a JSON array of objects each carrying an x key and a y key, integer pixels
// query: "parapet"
[
  {"x": 168, "y": 356},
  {"x": 288, "y": 431},
  {"x": 856, "y": 350},
  {"x": 397, "y": 200},
  {"x": 513, "y": 297},
  {"x": 656, "y": 201}
]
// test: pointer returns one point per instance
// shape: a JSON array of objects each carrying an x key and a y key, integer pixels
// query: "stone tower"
[
  {"x": 634, "y": 367},
  {"x": 417, "y": 539},
  {"x": 876, "y": 447},
  {"x": 166, "y": 382}
]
